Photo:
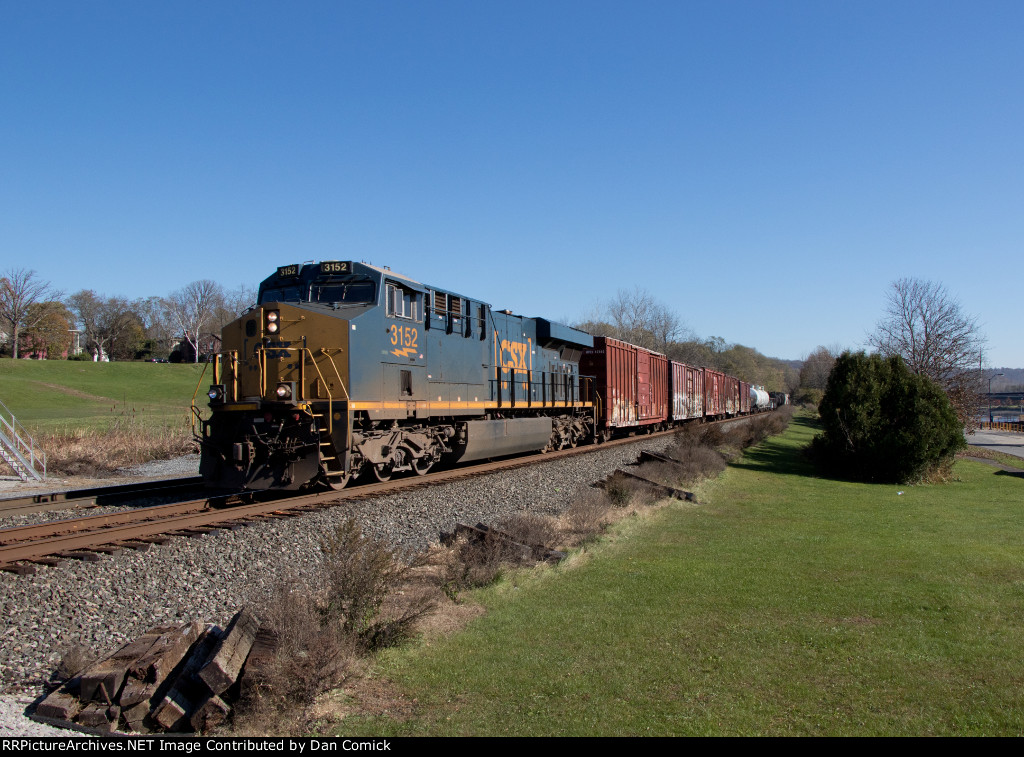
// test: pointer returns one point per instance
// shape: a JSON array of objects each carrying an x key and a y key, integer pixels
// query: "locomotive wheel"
[
  {"x": 338, "y": 482},
  {"x": 420, "y": 465},
  {"x": 383, "y": 471}
]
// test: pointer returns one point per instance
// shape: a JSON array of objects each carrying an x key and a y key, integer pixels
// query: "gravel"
[{"x": 103, "y": 605}]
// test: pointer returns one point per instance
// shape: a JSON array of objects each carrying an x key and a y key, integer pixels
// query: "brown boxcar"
[
  {"x": 744, "y": 398},
  {"x": 632, "y": 383},
  {"x": 687, "y": 392},
  {"x": 714, "y": 393},
  {"x": 731, "y": 394}
]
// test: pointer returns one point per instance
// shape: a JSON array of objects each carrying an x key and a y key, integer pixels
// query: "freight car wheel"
[{"x": 383, "y": 471}]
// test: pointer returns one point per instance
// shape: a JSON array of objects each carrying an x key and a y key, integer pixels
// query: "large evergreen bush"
[{"x": 884, "y": 423}]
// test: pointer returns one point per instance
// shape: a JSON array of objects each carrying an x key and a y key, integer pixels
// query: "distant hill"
[{"x": 1011, "y": 378}]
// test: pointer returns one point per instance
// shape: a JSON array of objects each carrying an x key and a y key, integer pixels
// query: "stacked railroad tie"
[{"x": 171, "y": 679}]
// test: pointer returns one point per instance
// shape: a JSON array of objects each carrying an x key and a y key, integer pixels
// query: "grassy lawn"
[
  {"x": 785, "y": 605},
  {"x": 57, "y": 395}
]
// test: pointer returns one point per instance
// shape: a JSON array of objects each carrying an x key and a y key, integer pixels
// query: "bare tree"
[
  {"x": 926, "y": 326},
  {"x": 233, "y": 303},
  {"x": 193, "y": 308},
  {"x": 157, "y": 327},
  {"x": 641, "y": 320},
  {"x": 817, "y": 367},
  {"x": 108, "y": 324},
  {"x": 19, "y": 291}
]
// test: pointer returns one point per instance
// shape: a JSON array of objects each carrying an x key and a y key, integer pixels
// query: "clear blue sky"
[{"x": 764, "y": 168}]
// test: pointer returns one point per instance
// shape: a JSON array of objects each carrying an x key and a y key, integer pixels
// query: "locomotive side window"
[{"x": 402, "y": 302}]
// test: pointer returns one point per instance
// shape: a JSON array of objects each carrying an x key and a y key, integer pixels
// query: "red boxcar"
[
  {"x": 632, "y": 383},
  {"x": 687, "y": 392}
]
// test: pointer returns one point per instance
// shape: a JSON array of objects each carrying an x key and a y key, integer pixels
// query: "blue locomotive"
[{"x": 344, "y": 368}]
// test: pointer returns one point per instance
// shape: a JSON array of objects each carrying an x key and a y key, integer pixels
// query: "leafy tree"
[
  {"x": 882, "y": 422},
  {"x": 50, "y": 332}
]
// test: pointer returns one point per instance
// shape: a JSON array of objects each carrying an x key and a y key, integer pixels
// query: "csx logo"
[{"x": 513, "y": 355}]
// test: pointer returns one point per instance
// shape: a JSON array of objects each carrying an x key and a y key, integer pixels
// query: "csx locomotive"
[{"x": 343, "y": 368}]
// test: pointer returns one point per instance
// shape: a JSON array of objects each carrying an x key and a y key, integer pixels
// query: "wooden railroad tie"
[{"x": 172, "y": 678}]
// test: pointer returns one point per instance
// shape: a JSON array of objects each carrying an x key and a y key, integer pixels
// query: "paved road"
[{"x": 1000, "y": 441}]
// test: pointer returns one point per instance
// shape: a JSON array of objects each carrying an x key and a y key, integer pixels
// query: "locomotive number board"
[{"x": 335, "y": 266}]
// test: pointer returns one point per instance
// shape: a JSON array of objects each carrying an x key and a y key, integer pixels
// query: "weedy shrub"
[
  {"x": 311, "y": 656},
  {"x": 699, "y": 435},
  {"x": 357, "y": 575},
  {"x": 353, "y": 604},
  {"x": 480, "y": 560},
  {"x": 587, "y": 514},
  {"x": 758, "y": 428},
  {"x": 533, "y": 529},
  {"x": 621, "y": 491}
]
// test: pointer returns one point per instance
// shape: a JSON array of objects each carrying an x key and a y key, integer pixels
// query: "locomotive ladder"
[
  {"x": 333, "y": 467},
  {"x": 18, "y": 449}
]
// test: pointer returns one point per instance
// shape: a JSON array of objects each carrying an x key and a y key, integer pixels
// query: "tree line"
[
  {"x": 38, "y": 321},
  {"x": 634, "y": 316}
]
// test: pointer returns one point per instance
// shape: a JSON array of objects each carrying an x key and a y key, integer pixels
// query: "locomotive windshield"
[{"x": 351, "y": 292}]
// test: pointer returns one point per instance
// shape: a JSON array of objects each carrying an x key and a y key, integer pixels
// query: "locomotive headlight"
[
  {"x": 216, "y": 393},
  {"x": 284, "y": 390},
  {"x": 273, "y": 321}
]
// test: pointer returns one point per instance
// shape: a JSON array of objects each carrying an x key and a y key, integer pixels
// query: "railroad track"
[
  {"x": 95, "y": 497},
  {"x": 89, "y": 537}
]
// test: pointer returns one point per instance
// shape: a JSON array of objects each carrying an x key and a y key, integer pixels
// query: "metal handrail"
[{"x": 29, "y": 447}]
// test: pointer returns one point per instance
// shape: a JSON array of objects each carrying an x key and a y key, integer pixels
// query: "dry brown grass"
[{"x": 93, "y": 452}]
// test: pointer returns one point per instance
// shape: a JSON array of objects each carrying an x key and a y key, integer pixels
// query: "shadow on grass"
[
  {"x": 1014, "y": 474},
  {"x": 779, "y": 457},
  {"x": 775, "y": 458}
]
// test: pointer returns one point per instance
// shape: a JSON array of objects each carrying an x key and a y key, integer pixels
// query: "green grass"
[
  {"x": 787, "y": 605},
  {"x": 51, "y": 395}
]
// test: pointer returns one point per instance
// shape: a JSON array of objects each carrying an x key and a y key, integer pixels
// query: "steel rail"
[{"x": 92, "y": 497}]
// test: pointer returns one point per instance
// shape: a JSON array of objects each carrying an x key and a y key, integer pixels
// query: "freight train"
[{"x": 344, "y": 369}]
